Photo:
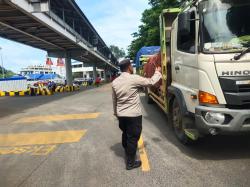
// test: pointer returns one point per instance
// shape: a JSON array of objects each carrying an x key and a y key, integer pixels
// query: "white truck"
[{"x": 205, "y": 63}]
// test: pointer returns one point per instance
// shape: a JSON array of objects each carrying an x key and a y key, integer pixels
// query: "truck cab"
[{"x": 206, "y": 68}]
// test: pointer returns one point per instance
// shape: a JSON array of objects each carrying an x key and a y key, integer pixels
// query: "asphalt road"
[{"x": 73, "y": 140}]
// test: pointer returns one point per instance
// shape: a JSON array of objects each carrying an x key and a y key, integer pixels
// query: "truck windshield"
[{"x": 225, "y": 25}]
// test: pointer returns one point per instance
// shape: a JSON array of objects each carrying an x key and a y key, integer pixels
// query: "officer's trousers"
[{"x": 131, "y": 131}]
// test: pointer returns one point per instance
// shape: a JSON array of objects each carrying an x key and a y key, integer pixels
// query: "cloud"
[
  {"x": 115, "y": 20},
  {"x": 17, "y": 55}
]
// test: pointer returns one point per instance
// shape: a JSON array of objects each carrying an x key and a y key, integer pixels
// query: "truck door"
[{"x": 184, "y": 57}]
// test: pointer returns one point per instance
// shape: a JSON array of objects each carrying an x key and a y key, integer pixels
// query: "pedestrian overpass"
[{"x": 58, "y": 27}]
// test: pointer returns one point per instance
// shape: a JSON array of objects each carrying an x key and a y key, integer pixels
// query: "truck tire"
[
  {"x": 148, "y": 98},
  {"x": 180, "y": 123}
]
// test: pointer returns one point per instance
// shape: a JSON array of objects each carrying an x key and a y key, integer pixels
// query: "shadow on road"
[
  {"x": 118, "y": 150},
  {"x": 208, "y": 148}
]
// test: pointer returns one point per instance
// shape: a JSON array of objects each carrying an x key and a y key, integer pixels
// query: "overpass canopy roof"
[{"x": 62, "y": 29}]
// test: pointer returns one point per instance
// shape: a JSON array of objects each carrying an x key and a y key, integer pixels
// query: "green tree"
[
  {"x": 118, "y": 53},
  {"x": 149, "y": 32},
  {"x": 7, "y": 73}
]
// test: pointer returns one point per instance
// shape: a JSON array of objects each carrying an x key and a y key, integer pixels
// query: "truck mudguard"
[{"x": 180, "y": 98}]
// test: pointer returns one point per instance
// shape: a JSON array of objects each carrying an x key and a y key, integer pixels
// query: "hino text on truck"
[{"x": 205, "y": 63}]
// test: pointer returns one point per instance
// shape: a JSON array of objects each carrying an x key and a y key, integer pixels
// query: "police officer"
[{"x": 127, "y": 109}]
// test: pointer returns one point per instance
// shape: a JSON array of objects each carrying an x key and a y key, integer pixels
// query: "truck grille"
[
  {"x": 236, "y": 91},
  {"x": 244, "y": 88}
]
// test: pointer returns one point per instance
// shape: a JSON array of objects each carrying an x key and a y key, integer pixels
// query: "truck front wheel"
[{"x": 180, "y": 123}]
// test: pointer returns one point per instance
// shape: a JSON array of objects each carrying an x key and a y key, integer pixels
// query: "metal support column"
[
  {"x": 110, "y": 75},
  {"x": 94, "y": 71},
  {"x": 105, "y": 75},
  {"x": 68, "y": 66}
]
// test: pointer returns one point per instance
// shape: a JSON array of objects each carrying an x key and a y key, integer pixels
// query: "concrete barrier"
[
  {"x": 59, "y": 89},
  {"x": 67, "y": 88},
  {"x": 40, "y": 91},
  {"x": 85, "y": 84}
]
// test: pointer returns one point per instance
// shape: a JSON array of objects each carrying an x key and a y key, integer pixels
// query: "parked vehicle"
[{"x": 205, "y": 62}]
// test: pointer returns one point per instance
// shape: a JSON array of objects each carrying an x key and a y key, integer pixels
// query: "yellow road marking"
[
  {"x": 41, "y": 138},
  {"x": 38, "y": 150},
  {"x": 143, "y": 156},
  {"x": 65, "y": 117},
  {"x": 43, "y": 150}
]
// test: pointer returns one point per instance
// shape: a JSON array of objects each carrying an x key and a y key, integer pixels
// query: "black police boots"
[{"x": 133, "y": 165}]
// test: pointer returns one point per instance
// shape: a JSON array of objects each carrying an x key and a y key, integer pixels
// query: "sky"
[{"x": 114, "y": 20}]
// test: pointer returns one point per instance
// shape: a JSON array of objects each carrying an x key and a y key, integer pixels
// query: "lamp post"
[{"x": 2, "y": 63}]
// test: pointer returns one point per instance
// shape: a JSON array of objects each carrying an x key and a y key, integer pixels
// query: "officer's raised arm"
[{"x": 142, "y": 81}]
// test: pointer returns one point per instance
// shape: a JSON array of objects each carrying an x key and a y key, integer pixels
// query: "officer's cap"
[{"x": 124, "y": 62}]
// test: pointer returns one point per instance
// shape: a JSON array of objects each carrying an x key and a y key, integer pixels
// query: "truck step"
[{"x": 192, "y": 134}]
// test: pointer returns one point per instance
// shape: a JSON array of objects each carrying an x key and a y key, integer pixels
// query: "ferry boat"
[
  {"x": 42, "y": 73},
  {"x": 37, "y": 69}
]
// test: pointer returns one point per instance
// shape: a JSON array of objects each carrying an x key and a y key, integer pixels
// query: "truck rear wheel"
[{"x": 180, "y": 123}]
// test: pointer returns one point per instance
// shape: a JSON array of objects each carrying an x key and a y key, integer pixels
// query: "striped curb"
[
  {"x": 39, "y": 91},
  {"x": 14, "y": 93}
]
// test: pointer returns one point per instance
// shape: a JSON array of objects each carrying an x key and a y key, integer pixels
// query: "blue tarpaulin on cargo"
[{"x": 150, "y": 50}]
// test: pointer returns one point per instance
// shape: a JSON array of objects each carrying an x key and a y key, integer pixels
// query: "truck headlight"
[{"x": 215, "y": 118}]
